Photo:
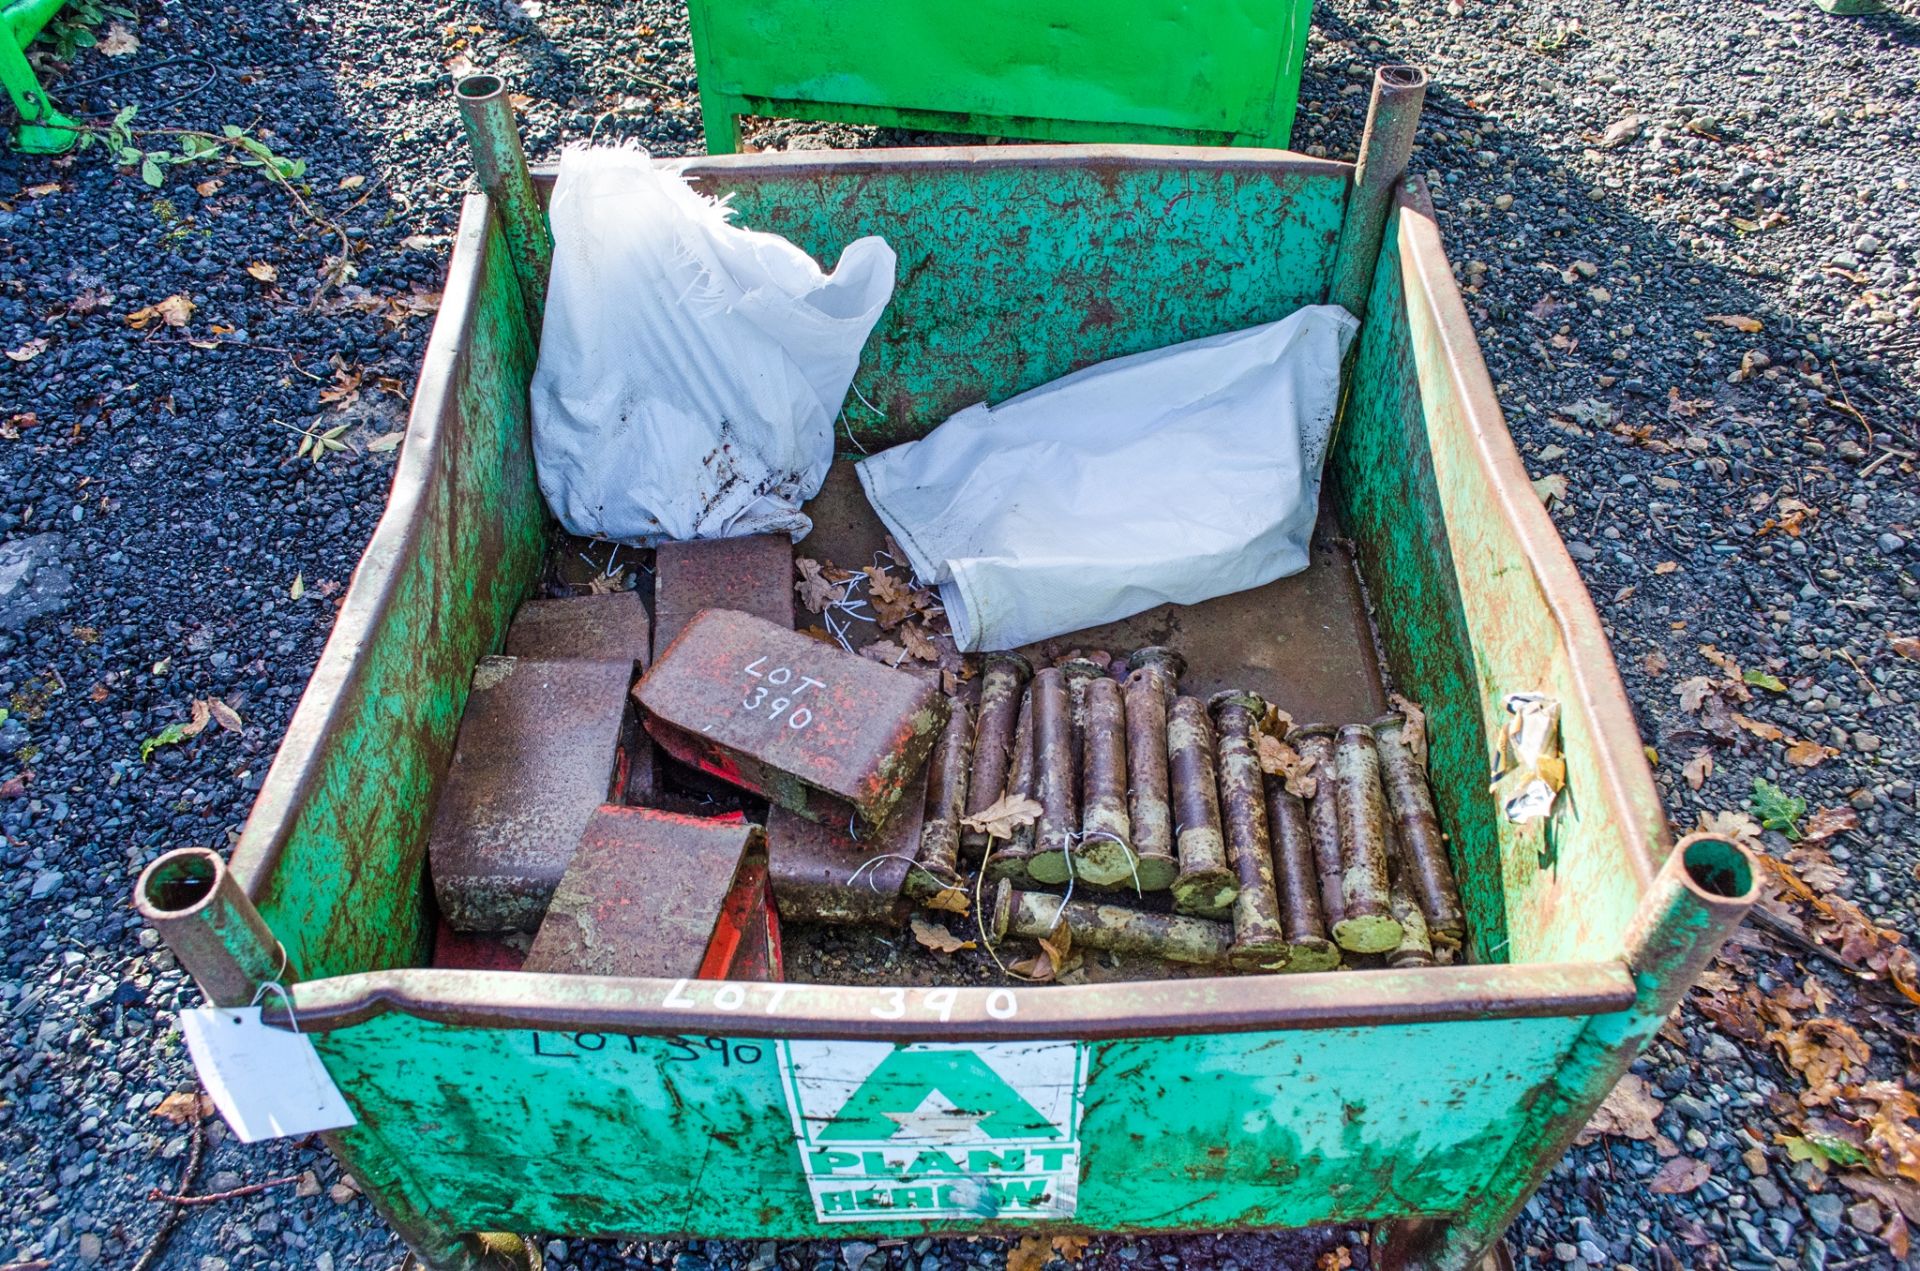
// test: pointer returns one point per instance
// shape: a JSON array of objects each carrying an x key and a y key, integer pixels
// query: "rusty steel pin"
[
  {"x": 1056, "y": 777},
  {"x": 1105, "y": 857},
  {"x": 1113, "y": 928},
  {"x": 1009, "y": 859},
  {"x": 1366, "y": 924},
  {"x": 1205, "y": 886},
  {"x": 1297, "y": 882},
  {"x": 938, "y": 865},
  {"x": 1259, "y": 942},
  {"x": 1416, "y": 943},
  {"x": 1423, "y": 848},
  {"x": 1314, "y": 742},
  {"x": 1000, "y": 685},
  {"x": 1147, "y": 692}
]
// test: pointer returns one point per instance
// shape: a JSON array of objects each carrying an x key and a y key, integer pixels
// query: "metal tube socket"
[
  {"x": 1297, "y": 882},
  {"x": 939, "y": 859},
  {"x": 500, "y": 164},
  {"x": 1112, "y": 928},
  {"x": 1423, "y": 848},
  {"x": 191, "y": 898},
  {"x": 1009, "y": 859},
  {"x": 1148, "y": 690},
  {"x": 1056, "y": 778},
  {"x": 1205, "y": 887},
  {"x": 1416, "y": 942},
  {"x": 1259, "y": 942},
  {"x": 1106, "y": 831},
  {"x": 1314, "y": 742},
  {"x": 1392, "y": 118},
  {"x": 1000, "y": 685},
  {"x": 1366, "y": 925}
]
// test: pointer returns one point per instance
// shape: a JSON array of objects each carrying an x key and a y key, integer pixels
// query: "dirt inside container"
[{"x": 1304, "y": 643}]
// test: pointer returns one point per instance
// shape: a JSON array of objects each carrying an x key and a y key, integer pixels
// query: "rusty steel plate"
[
  {"x": 746, "y": 939},
  {"x": 609, "y": 628},
  {"x": 752, "y": 574},
  {"x": 823, "y": 873},
  {"x": 642, "y": 894},
  {"x": 534, "y": 758},
  {"x": 791, "y": 718}
]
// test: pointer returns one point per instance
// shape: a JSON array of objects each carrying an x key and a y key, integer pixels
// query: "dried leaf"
[
  {"x": 1698, "y": 769},
  {"x": 1826, "y": 1053},
  {"x": 353, "y": 182},
  {"x": 1621, "y": 131},
  {"x": 299, "y": 587},
  {"x": 1031, "y": 1252},
  {"x": 182, "y": 1107},
  {"x": 1809, "y": 754},
  {"x": 1895, "y": 1196},
  {"x": 1693, "y": 692},
  {"x": 1654, "y": 663},
  {"x": 935, "y": 936},
  {"x": 951, "y": 900},
  {"x": 893, "y": 603},
  {"x": 118, "y": 41},
  {"x": 1906, "y": 646},
  {"x": 30, "y": 350},
  {"x": 1003, "y": 816},
  {"x": 224, "y": 715},
  {"x": 1415, "y": 731},
  {"x": 386, "y": 441},
  {"x": 202, "y": 715},
  {"x": 1827, "y": 822},
  {"x": 261, "y": 270},
  {"x": 1679, "y": 1176},
  {"x": 174, "y": 311},
  {"x": 918, "y": 646},
  {"x": 1759, "y": 728},
  {"x": 1057, "y": 944},
  {"x": 1666, "y": 567},
  {"x": 1739, "y": 322},
  {"x": 1551, "y": 489},
  {"x": 817, "y": 591},
  {"x": 1628, "y": 1112},
  {"x": 1069, "y": 1248}
]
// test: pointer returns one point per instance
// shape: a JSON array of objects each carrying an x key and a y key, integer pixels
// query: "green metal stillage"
[
  {"x": 1196, "y": 72},
  {"x": 1433, "y": 1098}
]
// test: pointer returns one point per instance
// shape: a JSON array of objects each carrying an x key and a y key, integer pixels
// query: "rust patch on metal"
[
  {"x": 642, "y": 895},
  {"x": 814, "y": 729},
  {"x": 753, "y": 575},
  {"x": 609, "y": 628},
  {"x": 535, "y": 757}
]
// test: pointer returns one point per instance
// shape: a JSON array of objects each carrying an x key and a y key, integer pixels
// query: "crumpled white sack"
[
  {"x": 690, "y": 370},
  {"x": 1174, "y": 475}
]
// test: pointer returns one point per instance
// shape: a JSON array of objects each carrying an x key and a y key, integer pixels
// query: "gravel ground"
[{"x": 1615, "y": 182}]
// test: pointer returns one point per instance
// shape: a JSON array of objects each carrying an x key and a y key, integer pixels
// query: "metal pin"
[
  {"x": 1259, "y": 943},
  {"x": 1056, "y": 776},
  {"x": 1314, "y": 742},
  {"x": 1000, "y": 685},
  {"x": 1366, "y": 925},
  {"x": 1105, "y": 857},
  {"x": 946, "y": 795},
  {"x": 1114, "y": 928},
  {"x": 1297, "y": 882},
  {"x": 1009, "y": 859},
  {"x": 1423, "y": 847},
  {"x": 1205, "y": 886},
  {"x": 1416, "y": 945},
  {"x": 1148, "y": 690}
]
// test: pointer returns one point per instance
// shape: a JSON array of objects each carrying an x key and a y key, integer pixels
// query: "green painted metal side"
[
  {"x": 602, "y": 1134},
  {"x": 1469, "y": 611},
  {"x": 43, "y": 129},
  {"x": 334, "y": 852},
  {"x": 1171, "y": 71},
  {"x": 1016, "y": 271}
]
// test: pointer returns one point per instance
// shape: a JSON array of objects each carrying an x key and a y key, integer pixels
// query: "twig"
[
  {"x": 214, "y": 1198},
  {"x": 158, "y": 1244},
  {"x": 1799, "y": 939}
]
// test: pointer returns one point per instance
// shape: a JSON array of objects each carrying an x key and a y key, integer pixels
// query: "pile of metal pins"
[{"x": 1142, "y": 791}]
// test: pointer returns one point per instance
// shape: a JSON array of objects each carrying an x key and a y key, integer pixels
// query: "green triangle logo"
[{"x": 892, "y": 1098}]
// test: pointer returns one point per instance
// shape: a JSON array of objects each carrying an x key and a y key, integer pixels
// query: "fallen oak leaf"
[
  {"x": 918, "y": 646},
  {"x": 118, "y": 41},
  {"x": 30, "y": 350},
  {"x": 817, "y": 591},
  {"x": 1827, "y": 822},
  {"x": 184, "y": 1106},
  {"x": 935, "y": 936},
  {"x": 1698, "y": 769},
  {"x": 1809, "y": 754},
  {"x": 224, "y": 715},
  {"x": 1003, "y": 816},
  {"x": 1679, "y": 1176},
  {"x": 1759, "y": 728},
  {"x": 1738, "y": 321},
  {"x": 1629, "y": 1111},
  {"x": 953, "y": 900},
  {"x": 1906, "y": 646},
  {"x": 1415, "y": 730},
  {"x": 261, "y": 270}
]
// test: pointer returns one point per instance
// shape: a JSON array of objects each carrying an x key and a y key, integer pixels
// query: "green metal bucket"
[{"x": 1183, "y": 72}]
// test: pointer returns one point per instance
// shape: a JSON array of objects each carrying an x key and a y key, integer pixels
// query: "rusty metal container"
[
  {"x": 814, "y": 729},
  {"x": 722, "y": 1108}
]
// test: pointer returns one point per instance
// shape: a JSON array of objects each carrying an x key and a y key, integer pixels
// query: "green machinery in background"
[
  {"x": 42, "y": 130},
  {"x": 1182, "y": 72}
]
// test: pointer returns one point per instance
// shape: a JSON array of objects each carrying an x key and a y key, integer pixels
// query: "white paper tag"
[{"x": 267, "y": 1082}]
